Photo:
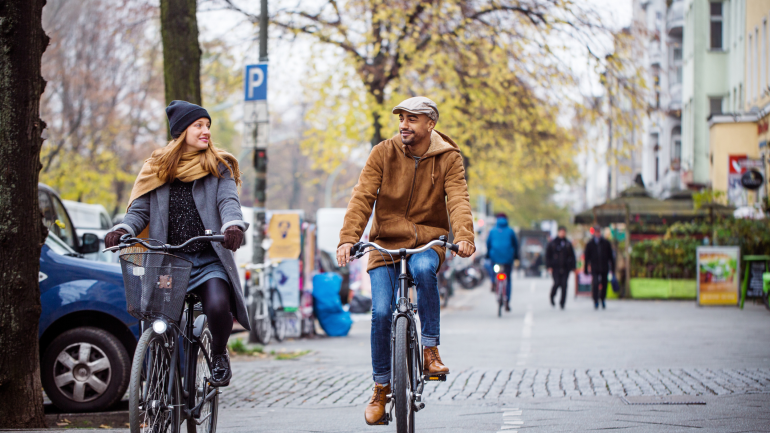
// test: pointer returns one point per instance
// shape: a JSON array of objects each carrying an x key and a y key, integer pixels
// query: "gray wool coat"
[{"x": 219, "y": 208}]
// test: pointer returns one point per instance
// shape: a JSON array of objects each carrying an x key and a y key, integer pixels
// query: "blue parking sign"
[{"x": 256, "y": 82}]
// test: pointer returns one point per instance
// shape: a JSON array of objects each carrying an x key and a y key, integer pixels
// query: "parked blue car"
[{"x": 87, "y": 339}]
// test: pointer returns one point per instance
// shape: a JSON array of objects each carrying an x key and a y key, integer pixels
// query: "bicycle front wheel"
[
  {"x": 206, "y": 420},
  {"x": 151, "y": 409},
  {"x": 402, "y": 391}
]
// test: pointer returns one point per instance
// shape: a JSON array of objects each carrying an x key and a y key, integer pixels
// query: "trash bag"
[
  {"x": 360, "y": 304},
  {"x": 327, "y": 307}
]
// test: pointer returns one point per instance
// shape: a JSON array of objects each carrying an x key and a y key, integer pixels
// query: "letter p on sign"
[{"x": 256, "y": 82}]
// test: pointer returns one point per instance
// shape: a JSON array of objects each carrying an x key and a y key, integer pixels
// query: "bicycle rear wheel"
[
  {"x": 259, "y": 313},
  {"x": 402, "y": 392},
  {"x": 500, "y": 297},
  {"x": 210, "y": 410},
  {"x": 150, "y": 407}
]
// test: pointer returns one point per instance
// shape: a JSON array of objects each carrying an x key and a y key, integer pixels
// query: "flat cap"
[{"x": 418, "y": 105}]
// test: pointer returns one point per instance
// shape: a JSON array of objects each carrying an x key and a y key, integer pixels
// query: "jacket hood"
[
  {"x": 502, "y": 222},
  {"x": 439, "y": 143}
]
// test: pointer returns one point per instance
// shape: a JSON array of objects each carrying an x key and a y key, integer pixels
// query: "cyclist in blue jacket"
[{"x": 503, "y": 249}]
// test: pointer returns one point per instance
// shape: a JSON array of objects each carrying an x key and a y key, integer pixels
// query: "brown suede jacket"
[{"x": 412, "y": 198}]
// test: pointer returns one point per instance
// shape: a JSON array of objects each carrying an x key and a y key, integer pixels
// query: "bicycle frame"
[{"x": 404, "y": 308}]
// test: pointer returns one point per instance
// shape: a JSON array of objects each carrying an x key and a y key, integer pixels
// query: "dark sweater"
[{"x": 184, "y": 221}]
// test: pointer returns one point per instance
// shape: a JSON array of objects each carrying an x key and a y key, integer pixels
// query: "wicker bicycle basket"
[{"x": 156, "y": 284}]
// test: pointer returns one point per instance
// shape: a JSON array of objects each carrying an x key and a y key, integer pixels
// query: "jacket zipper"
[{"x": 409, "y": 204}]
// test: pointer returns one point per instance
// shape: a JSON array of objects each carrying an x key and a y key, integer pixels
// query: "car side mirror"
[{"x": 90, "y": 244}]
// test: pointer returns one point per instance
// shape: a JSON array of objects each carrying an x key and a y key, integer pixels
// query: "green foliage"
[
  {"x": 673, "y": 256},
  {"x": 240, "y": 348},
  {"x": 708, "y": 196},
  {"x": 664, "y": 258}
]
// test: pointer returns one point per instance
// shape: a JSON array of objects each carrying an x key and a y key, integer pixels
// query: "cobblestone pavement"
[{"x": 310, "y": 387}]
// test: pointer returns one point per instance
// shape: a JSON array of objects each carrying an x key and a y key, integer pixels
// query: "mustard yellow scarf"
[{"x": 188, "y": 170}]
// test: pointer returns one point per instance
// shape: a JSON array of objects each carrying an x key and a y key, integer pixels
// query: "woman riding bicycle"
[{"x": 183, "y": 189}]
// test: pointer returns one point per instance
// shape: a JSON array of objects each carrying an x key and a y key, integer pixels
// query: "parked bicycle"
[
  {"x": 264, "y": 303},
  {"x": 171, "y": 368},
  {"x": 501, "y": 284},
  {"x": 406, "y": 362}
]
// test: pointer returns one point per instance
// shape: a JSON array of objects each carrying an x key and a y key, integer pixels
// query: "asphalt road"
[{"x": 638, "y": 366}]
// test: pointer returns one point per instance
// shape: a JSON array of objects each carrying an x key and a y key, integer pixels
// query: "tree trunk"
[
  {"x": 181, "y": 52},
  {"x": 22, "y": 42}
]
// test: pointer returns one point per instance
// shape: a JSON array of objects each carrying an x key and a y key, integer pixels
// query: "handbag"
[{"x": 615, "y": 284}]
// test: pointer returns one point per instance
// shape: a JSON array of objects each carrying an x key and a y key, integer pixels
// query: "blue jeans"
[{"x": 423, "y": 268}]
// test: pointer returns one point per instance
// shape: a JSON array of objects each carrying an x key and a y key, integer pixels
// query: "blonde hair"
[{"x": 166, "y": 160}]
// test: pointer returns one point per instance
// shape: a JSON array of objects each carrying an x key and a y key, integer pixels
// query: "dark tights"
[{"x": 215, "y": 297}]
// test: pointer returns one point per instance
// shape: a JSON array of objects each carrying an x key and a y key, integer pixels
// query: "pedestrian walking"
[
  {"x": 599, "y": 260},
  {"x": 503, "y": 249},
  {"x": 416, "y": 178},
  {"x": 560, "y": 261}
]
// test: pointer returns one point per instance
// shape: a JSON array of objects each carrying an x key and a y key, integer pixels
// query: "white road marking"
[
  {"x": 526, "y": 333},
  {"x": 511, "y": 420}
]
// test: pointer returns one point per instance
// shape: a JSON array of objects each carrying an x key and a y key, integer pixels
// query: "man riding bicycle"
[
  {"x": 503, "y": 249},
  {"x": 416, "y": 178}
]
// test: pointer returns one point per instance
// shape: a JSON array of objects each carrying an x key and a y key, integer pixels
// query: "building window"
[
  {"x": 715, "y": 105},
  {"x": 676, "y": 147},
  {"x": 763, "y": 59},
  {"x": 716, "y": 25},
  {"x": 750, "y": 70},
  {"x": 655, "y": 149},
  {"x": 676, "y": 57}
]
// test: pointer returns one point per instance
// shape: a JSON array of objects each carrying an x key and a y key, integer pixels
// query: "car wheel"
[{"x": 85, "y": 369}]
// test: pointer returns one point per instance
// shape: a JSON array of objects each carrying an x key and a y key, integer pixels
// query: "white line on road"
[
  {"x": 526, "y": 333},
  {"x": 511, "y": 420}
]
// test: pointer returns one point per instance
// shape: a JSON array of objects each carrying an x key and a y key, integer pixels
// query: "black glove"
[
  {"x": 233, "y": 238},
  {"x": 112, "y": 238}
]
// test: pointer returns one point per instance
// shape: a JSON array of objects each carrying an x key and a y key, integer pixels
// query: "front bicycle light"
[
  {"x": 497, "y": 268},
  {"x": 159, "y": 326}
]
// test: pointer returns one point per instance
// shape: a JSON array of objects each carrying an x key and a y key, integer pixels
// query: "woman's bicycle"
[
  {"x": 264, "y": 303},
  {"x": 171, "y": 369},
  {"x": 406, "y": 351}
]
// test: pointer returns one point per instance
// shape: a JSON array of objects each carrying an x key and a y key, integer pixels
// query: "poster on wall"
[
  {"x": 718, "y": 275},
  {"x": 284, "y": 231}
]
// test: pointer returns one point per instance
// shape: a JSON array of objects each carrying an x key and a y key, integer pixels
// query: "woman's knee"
[{"x": 216, "y": 296}]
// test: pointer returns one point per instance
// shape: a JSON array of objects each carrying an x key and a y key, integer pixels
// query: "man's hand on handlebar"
[
  {"x": 466, "y": 249},
  {"x": 343, "y": 254}
]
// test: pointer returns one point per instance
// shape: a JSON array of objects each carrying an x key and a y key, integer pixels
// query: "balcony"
[{"x": 675, "y": 19}]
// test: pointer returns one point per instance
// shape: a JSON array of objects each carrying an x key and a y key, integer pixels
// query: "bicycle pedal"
[{"x": 436, "y": 378}]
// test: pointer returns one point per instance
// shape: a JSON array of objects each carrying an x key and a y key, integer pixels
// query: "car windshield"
[{"x": 58, "y": 246}]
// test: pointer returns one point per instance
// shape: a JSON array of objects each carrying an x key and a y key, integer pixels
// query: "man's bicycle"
[
  {"x": 264, "y": 303},
  {"x": 500, "y": 286},
  {"x": 406, "y": 350},
  {"x": 170, "y": 372}
]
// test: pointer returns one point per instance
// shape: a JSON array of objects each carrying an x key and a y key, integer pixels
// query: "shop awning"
[{"x": 636, "y": 204}]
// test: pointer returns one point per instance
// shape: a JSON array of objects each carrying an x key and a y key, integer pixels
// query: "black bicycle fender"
[{"x": 198, "y": 326}]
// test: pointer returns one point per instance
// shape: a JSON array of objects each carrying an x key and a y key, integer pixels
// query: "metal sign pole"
[{"x": 256, "y": 117}]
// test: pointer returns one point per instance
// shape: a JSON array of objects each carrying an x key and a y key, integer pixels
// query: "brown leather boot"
[
  {"x": 432, "y": 362},
  {"x": 375, "y": 410}
]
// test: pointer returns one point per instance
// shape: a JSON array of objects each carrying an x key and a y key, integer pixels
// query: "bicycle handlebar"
[
  {"x": 128, "y": 241},
  {"x": 358, "y": 250}
]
